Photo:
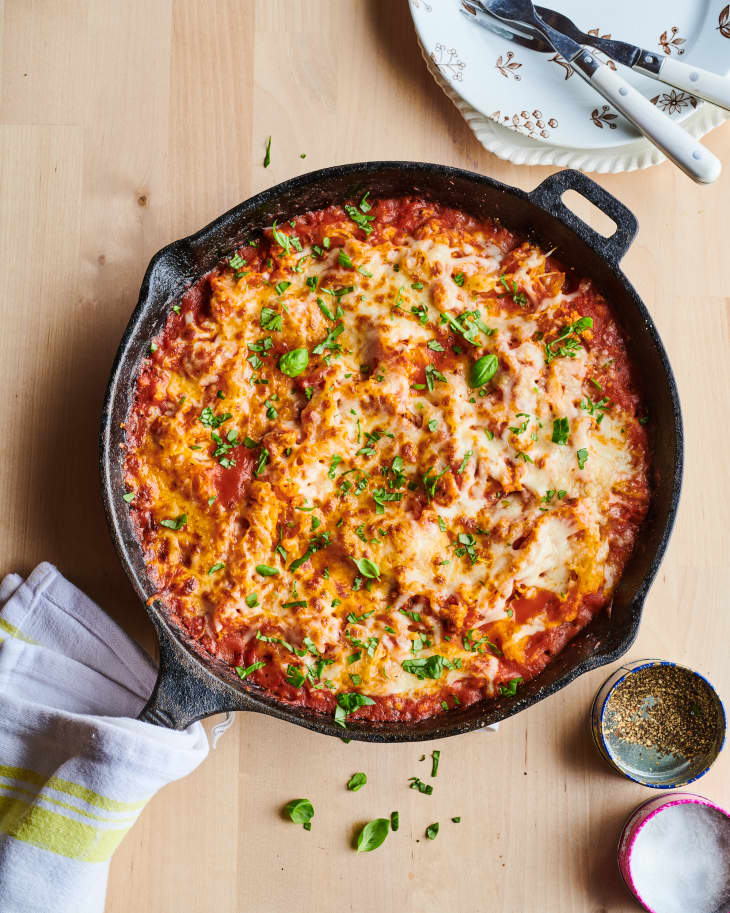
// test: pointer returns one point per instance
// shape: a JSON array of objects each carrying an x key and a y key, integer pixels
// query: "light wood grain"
[{"x": 126, "y": 125}]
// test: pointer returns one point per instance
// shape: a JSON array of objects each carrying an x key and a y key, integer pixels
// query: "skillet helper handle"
[
  {"x": 702, "y": 83},
  {"x": 548, "y": 196},
  {"x": 684, "y": 150},
  {"x": 183, "y": 693}
]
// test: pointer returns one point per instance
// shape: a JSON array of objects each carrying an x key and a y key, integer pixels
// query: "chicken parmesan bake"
[{"x": 387, "y": 459}]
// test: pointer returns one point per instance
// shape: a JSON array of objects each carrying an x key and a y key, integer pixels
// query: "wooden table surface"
[{"x": 125, "y": 125}]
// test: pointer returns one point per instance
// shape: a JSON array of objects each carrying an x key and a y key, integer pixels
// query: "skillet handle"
[
  {"x": 548, "y": 196},
  {"x": 183, "y": 692}
]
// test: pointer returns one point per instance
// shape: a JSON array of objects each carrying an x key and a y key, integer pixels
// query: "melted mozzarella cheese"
[{"x": 460, "y": 498}]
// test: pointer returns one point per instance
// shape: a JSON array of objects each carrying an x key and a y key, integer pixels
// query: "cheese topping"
[{"x": 388, "y": 460}]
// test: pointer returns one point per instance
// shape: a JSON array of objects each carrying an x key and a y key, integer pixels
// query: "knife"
[
  {"x": 701, "y": 83},
  {"x": 686, "y": 152}
]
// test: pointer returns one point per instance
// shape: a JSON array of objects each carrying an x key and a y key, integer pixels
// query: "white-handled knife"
[
  {"x": 678, "y": 146},
  {"x": 701, "y": 83}
]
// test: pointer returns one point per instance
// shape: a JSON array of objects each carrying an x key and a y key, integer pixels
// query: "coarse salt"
[{"x": 680, "y": 862}]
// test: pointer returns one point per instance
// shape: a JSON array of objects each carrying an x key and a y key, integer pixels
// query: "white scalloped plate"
[{"x": 572, "y": 138}]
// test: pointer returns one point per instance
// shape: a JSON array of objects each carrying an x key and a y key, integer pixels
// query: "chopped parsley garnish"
[
  {"x": 467, "y": 546},
  {"x": 329, "y": 341},
  {"x": 294, "y": 676},
  {"x": 518, "y": 297},
  {"x": 129, "y": 496},
  {"x": 358, "y": 216},
  {"x": 281, "y": 287},
  {"x": 561, "y": 431},
  {"x": 347, "y": 703},
  {"x": 218, "y": 566},
  {"x": 432, "y": 374},
  {"x": 567, "y": 344},
  {"x": 435, "y": 346},
  {"x": 175, "y": 524},
  {"x": 315, "y": 544},
  {"x": 335, "y": 461},
  {"x": 430, "y": 480},
  {"x": 597, "y": 409},
  {"x": 420, "y": 311},
  {"x": 394, "y": 821},
  {"x": 266, "y": 571},
  {"x": 467, "y": 456},
  {"x": 344, "y": 260},
  {"x": 261, "y": 464},
  {"x": 244, "y": 673},
  {"x": 252, "y": 600},
  {"x": 267, "y": 156},
  {"x": 582, "y": 456},
  {"x": 414, "y": 616},
  {"x": 381, "y": 495},
  {"x": 211, "y": 420},
  {"x": 510, "y": 689},
  {"x": 435, "y": 757},
  {"x": 431, "y": 667},
  {"x": 416, "y": 783},
  {"x": 458, "y": 278},
  {"x": 480, "y": 644},
  {"x": 270, "y": 320},
  {"x": 432, "y": 425}
]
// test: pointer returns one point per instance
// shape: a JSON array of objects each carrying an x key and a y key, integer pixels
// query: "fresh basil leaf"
[
  {"x": 510, "y": 689},
  {"x": 177, "y": 523},
  {"x": 482, "y": 370},
  {"x": 561, "y": 431},
  {"x": 244, "y": 673},
  {"x": 357, "y": 781},
  {"x": 294, "y": 362},
  {"x": 373, "y": 835},
  {"x": 367, "y": 568},
  {"x": 301, "y": 811}
]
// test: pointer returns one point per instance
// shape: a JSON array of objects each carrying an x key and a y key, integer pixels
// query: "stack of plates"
[{"x": 532, "y": 109}]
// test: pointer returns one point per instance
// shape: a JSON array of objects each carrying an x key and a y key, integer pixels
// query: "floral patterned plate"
[{"x": 530, "y": 108}]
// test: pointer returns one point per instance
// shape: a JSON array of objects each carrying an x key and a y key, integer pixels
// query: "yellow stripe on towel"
[
  {"x": 21, "y": 774},
  {"x": 57, "y": 833},
  {"x": 14, "y": 632}
]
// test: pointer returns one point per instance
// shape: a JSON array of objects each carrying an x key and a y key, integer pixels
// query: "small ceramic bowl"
[
  {"x": 668, "y": 869},
  {"x": 625, "y": 716}
]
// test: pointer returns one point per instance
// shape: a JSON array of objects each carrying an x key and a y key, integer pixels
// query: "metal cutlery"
[
  {"x": 518, "y": 20},
  {"x": 701, "y": 83}
]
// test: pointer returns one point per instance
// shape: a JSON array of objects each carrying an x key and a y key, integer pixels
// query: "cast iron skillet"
[{"x": 192, "y": 684}]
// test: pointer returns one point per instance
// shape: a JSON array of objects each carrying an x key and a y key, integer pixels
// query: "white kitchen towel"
[{"x": 76, "y": 767}]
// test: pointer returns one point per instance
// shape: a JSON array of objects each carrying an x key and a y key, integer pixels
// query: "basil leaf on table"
[
  {"x": 301, "y": 811},
  {"x": 357, "y": 781},
  {"x": 372, "y": 835}
]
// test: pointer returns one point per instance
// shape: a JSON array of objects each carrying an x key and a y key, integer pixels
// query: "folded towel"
[{"x": 76, "y": 767}]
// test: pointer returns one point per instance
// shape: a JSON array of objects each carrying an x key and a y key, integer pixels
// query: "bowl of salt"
[{"x": 674, "y": 855}]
